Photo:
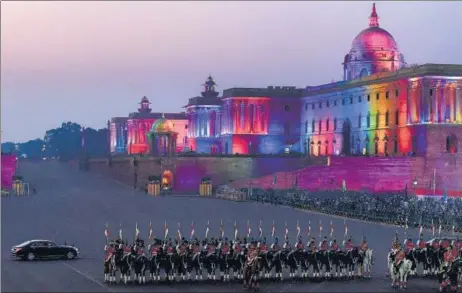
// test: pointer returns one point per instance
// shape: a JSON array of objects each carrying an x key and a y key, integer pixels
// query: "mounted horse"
[
  {"x": 365, "y": 263},
  {"x": 181, "y": 261},
  {"x": 251, "y": 273},
  {"x": 224, "y": 260},
  {"x": 401, "y": 267},
  {"x": 155, "y": 260},
  {"x": 195, "y": 258},
  {"x": 238, "y": 260}
]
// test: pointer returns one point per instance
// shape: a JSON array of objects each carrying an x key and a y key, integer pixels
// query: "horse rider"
[
  {"x": 399, "y": 257},
  {"x": 224, "y": 247},
  {"x": 333, "y": 245},
  {"x": 155, "y": 249},
  {"x": 195, "y": 246},
  {"x": 275, "y": 246},
  {"x": 364, "y": 246},
  {"x": 435, "y": 244},
  {"x": 210, "y": 248},
  {"x": 395, "y": 246},
  {"x": 312, "y": 247},
  {"x": 323, "y": 246},
  {"x": 287, "y": 247},
  {"x": 457, "y": 244},
  {"x": 444, "y": 243},
  {"x": 110, "y": 250},
  {"x": 299, "y": 245},
  {"x": 421, "y": 245},
  {"x": 263, "y": 247},
  {"x": 348, "y": 245},
  {"x": 181, "y": 247},
  {"x": 408, "y": 247},
  {"x": 448, "y": 258},
  {"x": 237, "y": 247},
  {"x": 168, "y": 248}
]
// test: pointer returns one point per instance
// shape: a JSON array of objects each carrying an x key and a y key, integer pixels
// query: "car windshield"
[{"x": 23, "y": 244}]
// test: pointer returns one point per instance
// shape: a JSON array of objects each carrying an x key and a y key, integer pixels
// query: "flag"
[
  {"x": 249, "y": 230},
  {"x": 207, "y": 229},
  {"x": 433, "y": 228},
  {"x": 260, "y": 229},
  {"x": 298, "y": 229},
  {"x": 331, "y": 228},
  {"x": 287, "y": 230},
  {"x": 120, "y": 232},
  {"x": 222, "y": 229},
  {"x": 166, "y": 230},
  {"x": 439, "y": 229},
  {"x": 235, "y": 230},
  {"x": 192, "y": 230},
  {"x": 273, "y": 230},
  {"x": 106, "y": 231},
  {"x": 345, "y": 228},
  {"x": 179, "y": 232},
  {"x": 309, "y": 228},
  {"x": 150, "y": 230},
  {"x": 320, "y": 228},
  {"x": 137, "y": 231}
]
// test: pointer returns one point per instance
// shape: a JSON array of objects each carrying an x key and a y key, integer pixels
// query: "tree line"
[{"x": 68, "y": 141}]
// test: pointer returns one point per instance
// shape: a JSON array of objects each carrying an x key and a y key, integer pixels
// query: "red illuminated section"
[{"x": 250, "y": 115}]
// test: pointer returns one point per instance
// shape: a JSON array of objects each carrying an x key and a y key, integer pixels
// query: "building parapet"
[
  {"x": 171, "y": 116},
  {"x": 197, "y": 101},
  {"x": 270, "y": 92},
  {"x": 448, "y": 70}
]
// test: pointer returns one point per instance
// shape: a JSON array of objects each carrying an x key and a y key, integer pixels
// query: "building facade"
[{"x": 375, "y": 110}]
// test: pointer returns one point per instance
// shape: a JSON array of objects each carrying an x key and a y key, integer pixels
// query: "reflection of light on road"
[{"x": 87, "y": 277}]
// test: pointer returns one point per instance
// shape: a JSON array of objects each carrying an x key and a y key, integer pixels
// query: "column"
[
  {"x": 458, "y": 97},
  {"x": 426, "y": 102},
  {"x": 450, "y": 102},
  {"x": 435, "y": 103},
  {"x": 439, "y": 98}
]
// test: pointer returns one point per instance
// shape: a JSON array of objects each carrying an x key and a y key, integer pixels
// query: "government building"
[{"x": 382, "y": 107}]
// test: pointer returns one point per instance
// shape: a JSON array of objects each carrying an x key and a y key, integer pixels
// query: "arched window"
[
  {"x": 306, "y": 126},
  {"x": 359, "y": 121},
  {"x": 377, "y": 119},
  {"x": 387, "y": 117},
  {"x": 452, "y": 144},
  {"x": 313, "y": 126},
  {"x": 335, "y": 123},
  {"x": 320, "y": 126},
  {"x": 397, "y": 117},
  {"x": 368, "y": 120},
  {"x": 327, "y": 124}
]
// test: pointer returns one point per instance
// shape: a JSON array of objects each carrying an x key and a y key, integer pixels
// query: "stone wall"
[{"x": 188, "y": 171}]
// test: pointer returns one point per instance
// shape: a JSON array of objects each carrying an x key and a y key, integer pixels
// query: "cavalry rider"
[
  {"x": 449, "y": 257},
  {"x": 408, "y": 247},
  {"x": 263, "y": 247},
  {"x": 348, "y": 245},
  {"x": 210, "y": 247},
  {"x": 287, "y": 246},
  {"x": 435, "y": 244},
  {"x": 421, "y": 245},
  {"x": 395, "y": 246},
  {"x": 457, "y": 244},
  {"x": 312, "y": 248},
  {"x": 275, "y": 246},
  {"x": 138, "y": 247},
  {"x": 364, "y": 246},
  {"x": 237, "y": 247},
  {"x": 299, "y": 245},
  {"x": 444, "y": 244},
  {"x": 110, "y": 250},
  {"x": 323, "y": 246},
  {"x": 333, "y": 245},
  {"x": 195, "y": 246},
  {"x": 168, "y": 247},
  {"x": 181, "y": 247},
  {"x": 224, "y": 247},
  {"x": 399, "y": 257},
  {"x": 155, "y": 249}
]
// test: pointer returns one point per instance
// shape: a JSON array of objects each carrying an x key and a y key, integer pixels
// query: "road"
[{"x": 74, "y": 207}]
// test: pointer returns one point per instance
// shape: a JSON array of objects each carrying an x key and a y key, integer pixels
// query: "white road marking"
[{"x": 87, "y": 277}]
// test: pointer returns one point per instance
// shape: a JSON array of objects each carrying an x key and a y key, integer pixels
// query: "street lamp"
[{"x": 414, "y": 182}]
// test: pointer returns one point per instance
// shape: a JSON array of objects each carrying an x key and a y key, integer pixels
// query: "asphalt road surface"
[{"x": 74, "y": 207}]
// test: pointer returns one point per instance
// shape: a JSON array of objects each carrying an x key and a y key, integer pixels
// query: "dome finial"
[
  {"x": 374, "y": 18},
  {"x": 163, "y": 115}
]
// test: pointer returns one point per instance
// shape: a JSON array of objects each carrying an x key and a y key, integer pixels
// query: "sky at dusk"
[{"x": 89, "y": 61}]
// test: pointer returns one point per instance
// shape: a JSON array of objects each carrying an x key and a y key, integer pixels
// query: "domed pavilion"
[
  {"x": 372, "y": 51},
  {"x": 162, "y": 138}
]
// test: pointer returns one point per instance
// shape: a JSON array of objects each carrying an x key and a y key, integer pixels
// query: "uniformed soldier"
[
  {"x": 333, "y": 245},
  {"x": 263, "y": 247},
  {"x": 348, "y": 245},
  {"x": 275, "y": 246},
  {"x": 444, "y": 243},
  {"x": 323, "y": 246},
  {"x": 299, "y": 245},
  {"x": 408, "y": 246},
  {"x": 364, "y": 246},
  {"x": 286, "y": 245},
  {"x": 435, "y": 244},
  {"x": 421, "y": 243},
  {"x": 312, "y": 248}
]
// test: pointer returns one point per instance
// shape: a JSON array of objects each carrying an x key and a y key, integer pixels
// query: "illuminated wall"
[{"x": 204, "y": 128}]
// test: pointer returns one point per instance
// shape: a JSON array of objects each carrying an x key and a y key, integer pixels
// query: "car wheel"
[
  {"x": 30, "y": 256},
  {"x": 70, "y": 255}
]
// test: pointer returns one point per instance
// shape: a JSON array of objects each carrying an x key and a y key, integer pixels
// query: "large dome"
[
  {"x": 162, "y": 125},
  {"x": 374, "y": 38}
]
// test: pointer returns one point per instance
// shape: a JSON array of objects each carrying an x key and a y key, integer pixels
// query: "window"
[
  {"x": 306, "y": 126},
  {"x": 186, "y": 126},
  {"x": 431, "y": 92},
  {"x": 387, "y": 95},
  {"x": 320, "y": 125},
  {"x": 359, "y": 99},
  {"x": 320, "y": 105},
  {"x": 335, "y": 123},
  {"x": 312, "y": 106},
  {"x": 397, "y": 93},
  {"x": 377, "y": 96},
  {"x": 335, "y": 103},
  {"x": 397, "y": 117},
  {"x": 313, "y": 126},
  {"x": 368, "y": 120},
  {"x": 306, "y": 106},
  {"x": 351, "y": 100},
  {"x": 327, "y": 124},
  {"x": 395, "y": 147},
  {"x": 368, "y": 98},
  {"x": 287, "y": 108},
  {"x": 343, "y": 101},
  {"x": 377, "y": 119},
  {"x": 327, "y": 104},
  {"x": 387, "y": 118},
  {"x": 359, "y": 121}
]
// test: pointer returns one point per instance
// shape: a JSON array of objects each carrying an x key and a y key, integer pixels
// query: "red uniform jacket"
[
  {"x": 140, "y": 251},
  {"x": 348, "y": 245},
  {"x": 263, "y": 248},
  {"x": 364, "y": 246},
  {"x": 154, "y": 250},
  {"x": 444, "y": 244},
  {"x": 323, "y": 245},
  {"x": 400, "y": 256},
  {"x": 421, "y": 244},
  {"x": 225, "y": 249},
  {"x": 299, "y": 245},
  {"x": 170, "y": 250},
  {"x": 196, "y": 248},
  {"x": 449, "y": 256},
  {"x": 237, "y": 248},
  {"x": 435, "y": 244},
  {"x": 127, "y": 249},
  {"x": 334, "y": 247},
  {"x": 276, "y": 247},
  {"x": 409, "y": 246},
  {"x": 210, "y": 249}
]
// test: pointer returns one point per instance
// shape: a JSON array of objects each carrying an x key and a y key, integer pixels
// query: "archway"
[
  {"x": 346, "y": 138},
  {"x": 452, "y": 144},
  {"x": 167, "y": 180}
]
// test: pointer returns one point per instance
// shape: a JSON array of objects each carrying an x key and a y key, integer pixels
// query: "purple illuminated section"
[{"x": 8, "y": 170}]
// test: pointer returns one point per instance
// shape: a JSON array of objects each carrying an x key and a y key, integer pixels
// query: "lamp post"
[{"x": 414, "y": 183}]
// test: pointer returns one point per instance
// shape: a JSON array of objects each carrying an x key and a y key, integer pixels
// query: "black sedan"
[{"x": 43, "y": 249}]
